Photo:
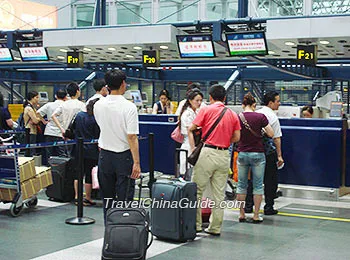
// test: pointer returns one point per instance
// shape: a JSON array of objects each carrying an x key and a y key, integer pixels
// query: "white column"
[
  {"x": 307, "y": 7},
  {"x": 112, "y": 12},
  {"x": 74, "y": 16},
  {"x": 202, "y": 10},
  {"x": 179, "y": 14},
  {"x": 224, "y": 9},
  {"x": 253, "y": 8},
  {"x": 155, "y": 11}
]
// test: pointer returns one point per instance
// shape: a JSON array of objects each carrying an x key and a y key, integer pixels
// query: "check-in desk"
[
  {"x": 157, "y": 118},
  {"x": 164, "y": 146},
  {"x": 314, "y": 158}
]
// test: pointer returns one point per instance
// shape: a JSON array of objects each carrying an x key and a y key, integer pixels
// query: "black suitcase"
[
  {"x": 62, "y": 170},
  {"x": 174, "y": 223},
  {"x": 126, "y": 233}
]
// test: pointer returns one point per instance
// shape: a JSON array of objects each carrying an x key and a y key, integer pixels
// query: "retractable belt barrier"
[{"x": 79, "y": 220}]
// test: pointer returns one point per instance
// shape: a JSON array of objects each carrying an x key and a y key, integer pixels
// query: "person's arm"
[
  {"x": 9, "y": 123},
  {"x": 155, "y": 109},
  {"x": 277, "y": 142},
  {"x": 236, "y": 136},
  {"x": 134, "y": 148},
  {"x": 269, "y": 131},
  {"x": 190, "y": 136},
  {"x": 56, "y": 121},
  {"x": 32, "y": 115}
]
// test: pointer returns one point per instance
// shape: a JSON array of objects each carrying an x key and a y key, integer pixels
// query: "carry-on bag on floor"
[
  {"x": 188, "y": 173},
  {"x": 126, "y": 233},
  {"x": 174, "y": 222},
  {"x": 62, "y": 170}
]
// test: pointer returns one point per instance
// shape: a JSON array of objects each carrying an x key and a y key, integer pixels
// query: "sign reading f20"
[{"x": 150, "y": 58}]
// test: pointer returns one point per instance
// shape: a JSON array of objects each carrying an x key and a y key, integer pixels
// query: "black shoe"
[
  {"x": 248, "y": 210},
  {"x": 211, "y": 233},
  {"x": 270, "y": 212}
]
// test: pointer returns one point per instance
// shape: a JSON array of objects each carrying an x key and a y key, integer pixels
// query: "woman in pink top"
[{"x": 251, "y": 154}]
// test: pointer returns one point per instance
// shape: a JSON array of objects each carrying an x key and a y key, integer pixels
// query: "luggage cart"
[{"x": 9, "y": 169}]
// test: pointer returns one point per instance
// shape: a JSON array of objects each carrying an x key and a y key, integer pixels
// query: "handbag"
[
  {"x": 177, "y": 136},
  {"x": 197, "y": 136},
  {"x": 193, "y": 158},
  {"x": 70, "y": 131},
  {"x": 95, "y": 184},
  {"x": 269, "y": 145}
]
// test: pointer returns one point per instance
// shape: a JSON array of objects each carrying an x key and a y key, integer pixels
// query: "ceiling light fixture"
[
  {"x": 111, "y": 49},
  {"x": 60, "y": 57},
  {"x": 137, "y": 48},
  {"x": 87, "y": 49},
  {"x": 324, "y": 42},
  {"x": 164, "y": 47},
  {"x": 129, "y": 56},
  {"x": 289, "y": 43},
  {"x": 63, "y": 50},
  {"x": 16, "y": 58},
  {"x": 272, "y": 52}
]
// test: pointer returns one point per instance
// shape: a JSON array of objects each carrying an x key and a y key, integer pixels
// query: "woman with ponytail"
[
  {"x": 188, "y": 114},
  {"x": 31, "y": 120}
]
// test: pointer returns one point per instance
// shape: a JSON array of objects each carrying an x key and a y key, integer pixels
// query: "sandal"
[
  {"x": 89, "y": 202},
  {"x": 242, "y": 220},
  {"x": 257, "y": 221}
]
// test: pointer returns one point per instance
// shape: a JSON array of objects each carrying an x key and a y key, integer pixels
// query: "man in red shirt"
[{"x": 213, "y": 162}]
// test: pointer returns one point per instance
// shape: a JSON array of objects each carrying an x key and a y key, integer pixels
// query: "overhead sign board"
[
  {"x": 75, "y": 59},
  {"x": 5, "y": 54},
  {"x": 247, "y": 43},
  {"x": 33, "y": 54},
  {"x": 150, "y": 58},
  {"x": 195, "y": 46},
  {"x": 307, "y": 54}
]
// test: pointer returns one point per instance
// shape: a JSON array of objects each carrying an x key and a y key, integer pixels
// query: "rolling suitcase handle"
[
  {"x": 140, "y": 189},
  {"x": 177, "y": 153}
]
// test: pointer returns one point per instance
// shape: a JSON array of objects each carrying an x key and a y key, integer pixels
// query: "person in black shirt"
[{"x": 87, "y": 128}]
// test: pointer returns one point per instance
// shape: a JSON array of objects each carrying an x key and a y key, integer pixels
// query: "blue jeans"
[{"x": 256, "y": 162}]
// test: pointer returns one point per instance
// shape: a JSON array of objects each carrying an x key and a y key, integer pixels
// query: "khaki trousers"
[{"x": 212, "y": 168}]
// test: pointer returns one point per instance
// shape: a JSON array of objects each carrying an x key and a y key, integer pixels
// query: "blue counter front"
[
  {"x": 157, "y": 118},
  {"x": 164, "y": 147},
  {"x": 312, "y": 156}
]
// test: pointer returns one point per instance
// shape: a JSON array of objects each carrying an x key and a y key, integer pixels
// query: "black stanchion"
[
  {"x": 80, "y": 220},
  {"x": 27, "y": 141},
  {"x": 151, "y": 162}
]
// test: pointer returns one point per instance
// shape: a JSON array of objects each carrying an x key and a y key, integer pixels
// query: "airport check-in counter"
[
  {"x": 157, "y": 118},
  {"x": 164, "y": 146},
  {"x": 313, "y": 151}
]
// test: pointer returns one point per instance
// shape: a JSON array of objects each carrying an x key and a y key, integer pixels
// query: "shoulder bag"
[
  {"x": 193, "y": 158},
  {"x": 269, "y": 145},
  {"x": 70, "y": 131}
]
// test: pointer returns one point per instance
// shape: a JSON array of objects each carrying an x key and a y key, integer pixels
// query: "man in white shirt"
[
  {"x": 68, "y": 109},
  {"x": 100, "y": 88},
  {"x": 274, "y": 159},
  {"x": 119, "y": 156},
  {"x": 52, "y": 132}
]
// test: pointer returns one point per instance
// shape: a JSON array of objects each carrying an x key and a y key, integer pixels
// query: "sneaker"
[{"x": 270, "y": 212}]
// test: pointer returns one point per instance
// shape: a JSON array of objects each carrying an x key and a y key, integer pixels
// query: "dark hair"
[
  {"x": 61, "y": 93},
  {"x": 193, "y": 85},
  {"x": 270, "y": 96},
  {"x": 72, "y": 89},
  {"x": 90, "y": 106},
  {"x": 1, "y": 100},
  {"x": 30, "y": 96},
  {"x": 164, "y": 92},
  {"x": 98, "y": 84},
  {"x": 114, "y": 78},
  {"x": 308, "y": 109},
  {"x": 248, "y": 99},
  {"x": 217, "y": 92},
  {"x": 190, "y": 96}
]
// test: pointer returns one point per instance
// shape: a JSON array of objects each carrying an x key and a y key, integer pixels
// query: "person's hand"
[
  {"x": 136, "y": 171},
  {"x": 280, "y": 161}
]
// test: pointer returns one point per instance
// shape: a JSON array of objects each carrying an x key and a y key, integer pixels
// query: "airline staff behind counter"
[{"x": 163, "y": 106}]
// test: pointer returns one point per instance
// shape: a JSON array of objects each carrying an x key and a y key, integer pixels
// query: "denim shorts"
[{"x": 256, "y": 163}]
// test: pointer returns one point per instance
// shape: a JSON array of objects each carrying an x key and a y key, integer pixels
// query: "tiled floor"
[{"x": 304, "y": 229}]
